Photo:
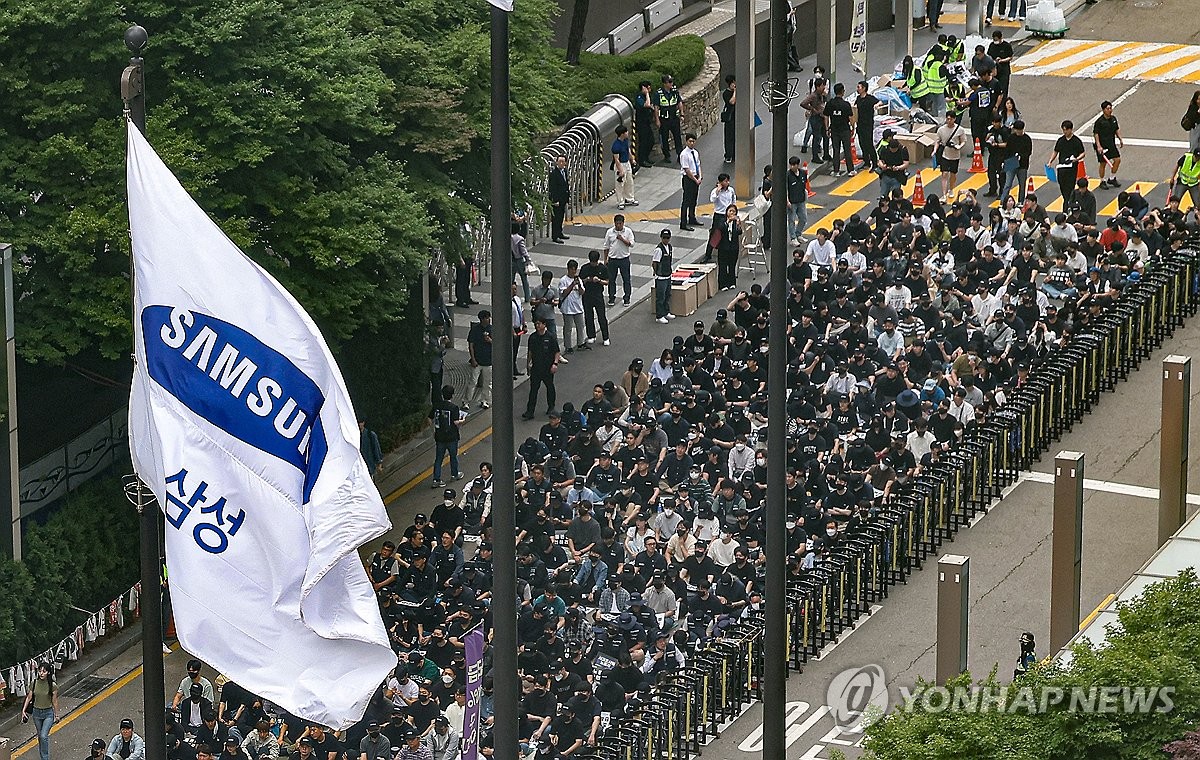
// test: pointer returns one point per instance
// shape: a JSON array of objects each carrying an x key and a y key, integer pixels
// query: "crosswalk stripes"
[
  {"x": 855, "y": 184},
  {"x": 1145, "y": 188},
  {"x": 1095, "y": 59},
  {"x": 842, "y": 212}
]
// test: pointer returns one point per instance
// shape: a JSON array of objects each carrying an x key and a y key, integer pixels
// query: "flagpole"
[
  {"x": 154, "y": 697},
  {"x": 504, "y": 578}
]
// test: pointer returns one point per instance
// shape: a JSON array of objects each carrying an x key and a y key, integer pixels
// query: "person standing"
[
  {"x": 41, "y": 704},
  {"x": 997, "y": 153},
  {"x": 864, "y": 119},
  {"x": 797, "y": 200},
  {"x": 618, "y": 247},
  {"x": 519, "y": 328},
  {"x": 893, "y": 163},
  {"x": 839, "y": 113},
  {"x": 644, "y": 122},
  {"x": 1020, "y": 146},
  {"x": 663, "y": 266},
  {"x": 1186, "y": 177},
  {"x": 722, "y": 196},
  {"x": 1191, "y": 121},
  {"x": 462, "y": 281},
  {"x": 570, "y": 303},
  {"x": 951, "y": 139},
  {"x": 368, "y": 444},
  {"x": 560, "y": 195},
  {"x": 1068, "y": 152},
  {"x": 520, "y": 260},
  {"x": 668, "y": 112},
  {"x": 623, "y": 166},
  {"x": 728, "y": 248},
  {"x": 936, "y": 78},
  {"x": 543, "y": 300},
  {"x": 933, "y": 11},
  {"x": 594, "y": 276},
  {"x": 543, "y": 364},
  {"x": 1106, "y": 133},
  {"x": 765, "y": 188},
  {"x": 818, "y": 125},
  {"x": 447, "y": 419},
  {"x": 479, "y": 349},
  {"x": 1001, "y": 51},
  {"x": 691, "y": 176},
  {"x": 728, "y": 112}
]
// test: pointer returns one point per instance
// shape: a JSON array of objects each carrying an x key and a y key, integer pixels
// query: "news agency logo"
[
  {"x": 860, "y": 695},
  {"x": 852, "y": 691}
]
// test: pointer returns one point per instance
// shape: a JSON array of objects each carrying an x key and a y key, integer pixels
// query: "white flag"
[
  {"x": 504, "y": 5},
  {"x": 240, "y": 422}
]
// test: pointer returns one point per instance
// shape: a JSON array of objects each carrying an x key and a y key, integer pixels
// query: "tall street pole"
[
  {"x": 154, "y": 698},
  {"x": 504, "y": 530},
  {"x": 775, "y": 635}
]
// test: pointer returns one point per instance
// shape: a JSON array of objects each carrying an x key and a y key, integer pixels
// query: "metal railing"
[
  {"x": 93, "y": 453},
  {"x": 689, "y": 707}
]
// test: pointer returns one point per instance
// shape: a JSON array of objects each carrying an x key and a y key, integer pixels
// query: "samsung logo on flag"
[{"x": 238, "y": 383}]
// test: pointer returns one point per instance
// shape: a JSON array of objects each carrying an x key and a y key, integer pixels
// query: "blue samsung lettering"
[{"x": 238, "y": 383}]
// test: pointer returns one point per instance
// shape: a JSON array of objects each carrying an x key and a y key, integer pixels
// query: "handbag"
[
  {"x": 531, "y": 268},
  {"x": 714, "y": 237},
  {"x": 762, "y": 204},
  {"x": 1188, "y": 122}
]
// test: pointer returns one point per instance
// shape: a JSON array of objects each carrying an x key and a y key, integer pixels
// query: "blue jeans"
[
  {"x": 440, "y": 451},
  {"x": 615, "y": 267},
  {"x": 797, "y": 218},
  {"x": 1054, "y": 291},
  {"x": 1015, "y": 179},
  {"x": 887, "y": 183},
  {"x": 662, "y": 296},
  {"x": 820, "y": 140},
  {"x": 42, "y": 721}
]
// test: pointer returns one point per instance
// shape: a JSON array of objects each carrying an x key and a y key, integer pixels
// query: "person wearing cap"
[
  {"x": 194, "y": 668},
  {"x": 668, "y": 111},
  {"x": 129, "y": 746},
  {"x": 210, "y": 732},
  {"x": 414, "y": 748},
  {"x": 893, "y": 162},
  {"x": 261, "y": 743},
  {"x": 443, "y": 741},
  {"x": 374, "y": 746},
  {"x": 661, "y": 263}
]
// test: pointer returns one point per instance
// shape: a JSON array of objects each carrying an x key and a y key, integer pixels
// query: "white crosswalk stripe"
[{"x": 1154, "y": 61}]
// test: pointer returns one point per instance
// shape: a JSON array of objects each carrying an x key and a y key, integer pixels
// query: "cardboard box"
[
  {"x": 928, "y": 144},
  {"x": 921, "y": 128},
  {"x": 683, "y": 299},
  {"x": 707, "y": 276},
  {"x": 919, "y": 146}
]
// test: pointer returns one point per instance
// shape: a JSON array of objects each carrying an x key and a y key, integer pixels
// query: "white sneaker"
[
  {"x": 484, "y": 405},
  {"x": 606, "y": 342},
  {"x": 563, "y": 360},
  {"x": 670, "y": 316},
  {"x": 466, "y": 407},
  {"x": 591, "y": 341},
  {"x": 661, "y": 320},
  {"x": 632, "y": 203},
  {"x": 166, "y": 649},
  {"x": 620, "y": 207}
]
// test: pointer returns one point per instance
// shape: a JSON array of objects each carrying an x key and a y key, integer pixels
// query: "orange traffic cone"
[
  {"x": 807, "y": 183},
  {"x": 1081, "y": 171},
  {"x": 918, "y": 198},
  {"x": 853, "y": 150},
  {"x": 1134, "y": 189},
  {"x": 1029, "y": 187},
  {"x": 977, "y": 166}
]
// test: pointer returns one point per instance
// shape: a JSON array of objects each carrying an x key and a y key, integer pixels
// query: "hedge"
[
  {"x": 84, "y": 555},
  {"x": 598, "y": 75}
]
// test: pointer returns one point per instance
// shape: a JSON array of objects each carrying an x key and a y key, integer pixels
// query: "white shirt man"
[
  {"x": 986, "y": 304},
  {"x": 722, "y": 196},
  {"x": 618, "y": 242},
  {"x": 821, "y": 251}
]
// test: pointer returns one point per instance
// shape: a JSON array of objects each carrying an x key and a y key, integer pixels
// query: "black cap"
[
  {"x": 722, "y": 313},
  {"x": 197, "y": 689},
  {"x": 441, "y": 720},
  {"x": 666, "y": 233},
  {"x": 232, "y": 740},
  {"x": 126, "y": 723},
  {"x": 449, "y": 493},
  {"x": 98, "y": 743},
  {"x": 306, "y": 742}
]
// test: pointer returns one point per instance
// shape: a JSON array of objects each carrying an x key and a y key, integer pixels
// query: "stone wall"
[{"x": 702, "y": 102}]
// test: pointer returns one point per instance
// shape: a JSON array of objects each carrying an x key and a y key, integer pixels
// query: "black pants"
[
  {"x": 995, "y": 172},
  {"x": 1066, "y": 183},
  {"x": 687, "y": 209},
  {"x": 538, "y": 378},
  {"x": 730, "y": 139},
  {"x": 593, "y": 311},
  {"x": 462, "y": 282},
  {"x": 841, "y": 149},
  {"x": 726, "y": 268},
  {"x": 764, "y": 235},
  {"x": 557, "y": 215},
  {"x": 868, "y": 146},
  {"x": 670, "y": 128},
  {"x": 645, "y": 142}
]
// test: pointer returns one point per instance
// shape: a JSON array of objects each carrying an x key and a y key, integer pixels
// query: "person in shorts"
[{"x": 1106, "y": 133}]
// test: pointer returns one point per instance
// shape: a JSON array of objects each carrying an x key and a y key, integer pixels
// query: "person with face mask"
[
  {"x": 741, "y": 458},
  {"x": 667, "y": 521},
  {"x": 374, "y": 746},
  {"x": 681, "y": 545}
]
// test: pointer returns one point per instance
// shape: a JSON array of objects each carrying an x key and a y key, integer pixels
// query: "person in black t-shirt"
[
  {"x": 1068, "y": 152},
  {"x": 864, "y": 113},
  {"x": 447, "y": 419},
  {"x": 839, "y": 113}
]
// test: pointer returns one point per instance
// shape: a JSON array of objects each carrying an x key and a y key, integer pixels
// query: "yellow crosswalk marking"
[
  {"x": 1145, "y": 188},
  {"x": 1066, "y": 52},
  {"x": 1166, "y": 68},
  {"x": 1090, "y": 60},
  {"x": 841, "y": 212},
  {"x": 1037, "y": 183},
  {"x": 973, "y": 181},
  {"x": 928, "y": 177},
  {"x": 1057, "y": 204},
  {"x": 1115, "y": 72},
  {"x": 854, "y": 185}
]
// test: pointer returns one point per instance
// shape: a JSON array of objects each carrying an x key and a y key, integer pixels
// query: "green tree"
[
  {"x": 337, "y": 143},
  {"x": 1157, "y": 645}
]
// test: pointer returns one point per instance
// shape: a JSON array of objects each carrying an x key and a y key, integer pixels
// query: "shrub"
[{"x": 598, "y": 75}]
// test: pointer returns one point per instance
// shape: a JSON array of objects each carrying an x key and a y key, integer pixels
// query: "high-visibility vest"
[
  {"x": 958, "y": 53},
  {"x": 917, "y": 89},
  {"x": 934, "y": 74},
  {"x": 1189, "y": 173}
]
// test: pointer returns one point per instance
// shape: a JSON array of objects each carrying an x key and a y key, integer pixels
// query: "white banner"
[
  {"x": 240, "y": 422},
  {"x": 504, "y": 5},
  {"x": 858, "y": 37}
]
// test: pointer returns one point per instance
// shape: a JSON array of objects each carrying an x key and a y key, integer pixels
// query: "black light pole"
[
  {"x": 775, "y": 635},
  {"x": 504, "y": 531},
  {"x": 154, "y": 698}
]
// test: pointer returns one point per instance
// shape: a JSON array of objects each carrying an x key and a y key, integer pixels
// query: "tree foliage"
[
  {"x": 1157, "y": 644},
  {"x": 336, "y": 141}
]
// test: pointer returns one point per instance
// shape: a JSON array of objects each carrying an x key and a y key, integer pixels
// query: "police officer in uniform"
[{"x": 668, "y": 110}]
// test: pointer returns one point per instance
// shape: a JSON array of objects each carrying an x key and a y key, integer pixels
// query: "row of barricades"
[{"x": 719, "y": 681}]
